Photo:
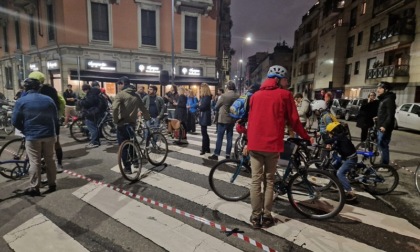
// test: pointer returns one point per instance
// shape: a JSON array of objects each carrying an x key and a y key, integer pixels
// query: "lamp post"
[{"x": 246, "y": 39}]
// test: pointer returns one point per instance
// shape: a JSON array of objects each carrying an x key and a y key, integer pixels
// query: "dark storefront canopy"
[{"x": 87, "y": 75}]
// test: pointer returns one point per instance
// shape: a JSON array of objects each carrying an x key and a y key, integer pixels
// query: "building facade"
[
  {"x": 74, "y": 42},
  {"x": 359, "y": 43}
]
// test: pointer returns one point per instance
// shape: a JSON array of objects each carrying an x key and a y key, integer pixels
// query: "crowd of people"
[{"x": 39, "y": 106}]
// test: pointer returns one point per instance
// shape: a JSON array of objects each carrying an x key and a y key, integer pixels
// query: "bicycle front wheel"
[
  {"x": 79, "y": 131},
  {"x": 230, "y": 179},
  {"x": 156, "y": 148},
  {"x": 109, "y": 130},
  {"x": 319, "y": 195},
  {"x": 14, "y": 150},
  {"x": 129, "y": 160},
  {"x": 381, "y": 180}
]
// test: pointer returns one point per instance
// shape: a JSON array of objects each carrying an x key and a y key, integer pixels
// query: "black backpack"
[{"x": 103, "y": 103}]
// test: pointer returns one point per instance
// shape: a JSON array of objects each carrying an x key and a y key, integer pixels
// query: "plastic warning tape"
[{"x": 222, "y": 228}]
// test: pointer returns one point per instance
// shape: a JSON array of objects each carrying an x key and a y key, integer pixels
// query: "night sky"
[{"x": 267, "y": 22}]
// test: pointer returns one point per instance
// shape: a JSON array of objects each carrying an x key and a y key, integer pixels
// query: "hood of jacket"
[
  {"x": 389, "y": 95},
  {"x": 269, "y": 84},
  {"x": 129, "y": 90}
]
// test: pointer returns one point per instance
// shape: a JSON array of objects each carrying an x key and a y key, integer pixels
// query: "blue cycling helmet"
[{"x": 277, "y": 71}]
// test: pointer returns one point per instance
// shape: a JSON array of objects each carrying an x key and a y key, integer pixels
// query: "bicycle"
[
  {"x": 131, "y": 153},
  {"x": 378, "y": 179},
  {"x": 230, "y": 179},
  {"x": 417, "y": 178},
  {"x": 6, "y": 119},
  {"x": 15, "y": 162},
  {"x": 80, "y": 132},
  {"x": 371, "y": 145}
]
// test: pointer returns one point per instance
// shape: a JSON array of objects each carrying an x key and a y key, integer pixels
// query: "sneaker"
[
  {"x": 350, "y": 196},
  {"x": 128, "y": 171},
  {"x": 227, "y": 156},
  {"x": 59, "y": 168},
  {"x": 255, "y": 221},
  {"x": 214, "y": 157},
  {"x": 67, "y": 125},
  {"x": 267, "y": 222},
  {"x": 32, "y": 191},
  {"x": 91, "y": 146},
  {"x": 51, "y": 188}
]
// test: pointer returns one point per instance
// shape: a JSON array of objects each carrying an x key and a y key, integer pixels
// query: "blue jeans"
[
  {"x": 343, "y": 170},
  {"x": 153, "y": 123},
  {"x": 122, "y": 135},
  {"x": 221, "y": 129},
  {"x": 93, "y": 131},
  {"x": 383, "y": 146}
]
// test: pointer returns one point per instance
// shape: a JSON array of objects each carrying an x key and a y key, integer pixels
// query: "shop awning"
[{"x": 88, "y": 75}]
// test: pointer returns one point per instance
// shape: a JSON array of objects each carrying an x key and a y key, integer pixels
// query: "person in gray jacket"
[
  {"x": 226, "y": 123},
  {"x": 156, "y": 107}
]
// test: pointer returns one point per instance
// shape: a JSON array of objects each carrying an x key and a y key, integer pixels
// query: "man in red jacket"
[{"x": 270, "y": 108}]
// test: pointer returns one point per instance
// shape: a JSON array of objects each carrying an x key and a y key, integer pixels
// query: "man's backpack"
[
  {"x": 103, "y": 103},
  {"x": 237, "y": 109}
]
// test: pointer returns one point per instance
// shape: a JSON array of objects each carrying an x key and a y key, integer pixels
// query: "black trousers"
[
  {"x": 363, "y": 134},
  {"x": 205, "y": 142}
]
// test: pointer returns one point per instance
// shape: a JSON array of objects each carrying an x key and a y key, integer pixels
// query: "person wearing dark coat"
[
  {"x": 181, "y": 112},
  {"x": 386, "y": 118},
  {"x": 205, "y": 117},
  {"x": 367, "y": 112}
]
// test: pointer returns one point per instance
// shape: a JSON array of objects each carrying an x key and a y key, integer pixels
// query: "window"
[
  {"x": 9, "y": 77},
  {"x": 353, "y": 17},
  {"x": 50, "y": 19},
  {"x": 405, "y": 107},
  {"x": 363, "y": 10},
  {"x": 190, "y": 35},
  {"x": 148, "y": 27},
  {"x": 32, "y": 32},
  {"x": 100, "y": 22},
  {"x": 356, "y": 67},
  {"x": 17, "y": 32},
  {"x": 6, "y": 43},
  {"x": 359, "y": 38},
  {"x": 348, "y": 74},
  {"x": 415, "y": 109},
  {"x": 350, "y": 47}
]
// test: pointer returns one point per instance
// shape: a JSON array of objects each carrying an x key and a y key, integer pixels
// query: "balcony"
[
  {"x": 202, "y": 7},
  {"x": 402, "y": 33},
  {"x": 396, "y": 73},
  {"x": 383, "y": 5}
]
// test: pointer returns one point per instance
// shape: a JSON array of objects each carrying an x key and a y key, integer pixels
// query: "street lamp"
[{"x": 246, "y": 39}]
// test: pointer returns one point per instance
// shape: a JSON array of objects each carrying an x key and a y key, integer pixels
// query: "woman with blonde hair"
[{"x": 204, "y": 106}]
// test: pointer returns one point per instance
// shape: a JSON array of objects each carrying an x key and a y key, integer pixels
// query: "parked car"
[
  {"x": 352, "y": 108},
  {"x": 338, "y": 107},
  {"x": 408, "y": 116}
]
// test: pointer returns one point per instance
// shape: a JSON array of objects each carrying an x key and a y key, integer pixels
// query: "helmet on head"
[
  {"x": 277, "y": 71},
  {"x": 36, "y": 75},
  {"x": 95, "y": 83},
  {"x": 318, "y": 105},
  {"x": 385, "y": 85},
  {"x": 241, "y": 129},
  {"x": 335, "y": 128},
  {"x": 124, "y": 81},
  {"x": 31, "y": 84}
]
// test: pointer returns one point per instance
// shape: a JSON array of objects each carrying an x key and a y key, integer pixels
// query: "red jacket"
[{"x": 270, "y": 109}]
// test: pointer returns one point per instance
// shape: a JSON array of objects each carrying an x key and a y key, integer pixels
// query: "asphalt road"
[{"x": 84, "y": 216}]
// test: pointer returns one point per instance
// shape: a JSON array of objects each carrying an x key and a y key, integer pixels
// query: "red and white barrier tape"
[{"x": 140, "y": 198}]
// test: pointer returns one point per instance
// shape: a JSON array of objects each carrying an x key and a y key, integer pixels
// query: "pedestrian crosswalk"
[{"x": 182, "y": 187}]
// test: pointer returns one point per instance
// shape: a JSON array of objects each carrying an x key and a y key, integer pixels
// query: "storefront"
[{"x": 53, "y": 68}]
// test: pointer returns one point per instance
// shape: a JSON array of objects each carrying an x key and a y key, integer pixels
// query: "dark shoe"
[
  {"x": 51, "y": 188},
  {"x": 350, "y": 196},
  {"x": 214, "y": 157},
  {"x": 227, "y": 156},
  {"x": 32, "y": 192},
  {"x": 128, "y": 171},
  {"x": 202, "y": 153},
  {"x": 267, "y": 222},
  {"x": 256, "y": 222}
]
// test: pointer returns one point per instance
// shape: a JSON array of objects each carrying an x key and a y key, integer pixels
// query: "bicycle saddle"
[{"x": 298, "y": 141}]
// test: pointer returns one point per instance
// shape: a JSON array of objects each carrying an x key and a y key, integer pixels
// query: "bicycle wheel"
[
  {"x": 312, "y": 198},
  {"x": 380, "y": 179},
  {"x": 417, "y": 178},
  {"x": 156, "y": 148},
  {"x": 230, "y": 179},
  {"x": 129, "y": 160},
  {"x": 13, "y": 150},
  {"x": 79, "y": 131},
  {"x": 109, "y": 130},
  {"x": 372, "y": 147},
  {"x": 8, "y": 127},
  {"x": 238, "y": 147}
]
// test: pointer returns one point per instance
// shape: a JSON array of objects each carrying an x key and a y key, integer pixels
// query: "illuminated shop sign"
[
  {"x": 104, "y": 65},
  {"x": 34, "y": 66},
  {"x": 191, "y": 71},
  {"x": 53, "y": 65},
  {"x": 144, "y": 68}
]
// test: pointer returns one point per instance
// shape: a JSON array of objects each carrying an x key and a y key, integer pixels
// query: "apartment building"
[
  {"x": 359, "y": 43},
  {"x": 78, "y": 41}
]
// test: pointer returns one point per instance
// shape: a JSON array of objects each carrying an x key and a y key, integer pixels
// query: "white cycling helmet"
[
  {"x": 318, "y": 105},
  {"x": 277, "y": 71}
]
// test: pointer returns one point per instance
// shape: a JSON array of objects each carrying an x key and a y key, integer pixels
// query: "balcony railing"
[
  {"x": 388, "y": 71},
  {"x": 392, "y": 34}
]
